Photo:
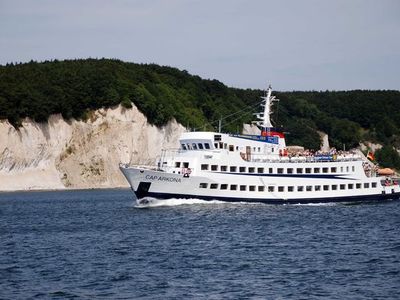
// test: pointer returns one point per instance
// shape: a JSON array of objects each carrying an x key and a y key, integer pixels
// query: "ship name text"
[{"x": 163, "y": 178}]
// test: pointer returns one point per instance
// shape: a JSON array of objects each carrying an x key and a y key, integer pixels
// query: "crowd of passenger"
[{"x": 331, "y": 154}]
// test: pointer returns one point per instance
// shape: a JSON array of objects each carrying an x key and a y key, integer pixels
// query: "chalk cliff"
[{"x": 76, "y": 154}]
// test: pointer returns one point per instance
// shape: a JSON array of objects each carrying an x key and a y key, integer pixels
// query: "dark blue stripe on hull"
[{"x": 368, "y": 198}]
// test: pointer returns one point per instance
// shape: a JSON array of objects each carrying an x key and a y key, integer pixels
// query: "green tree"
[{"x": 387, "y": 156}]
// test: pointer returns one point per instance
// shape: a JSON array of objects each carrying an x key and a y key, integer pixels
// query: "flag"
[{"x": 370, "y": 156}]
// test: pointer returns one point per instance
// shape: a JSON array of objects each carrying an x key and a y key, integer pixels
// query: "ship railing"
[
  {"x": 302, "y": 159},
  {"x": 140, "y": 166}
]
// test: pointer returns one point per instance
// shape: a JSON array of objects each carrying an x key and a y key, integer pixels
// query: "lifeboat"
[{"x": 385, "y": 172}]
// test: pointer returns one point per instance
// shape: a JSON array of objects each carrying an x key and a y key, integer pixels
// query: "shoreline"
[{"x": 64, "y": 189}]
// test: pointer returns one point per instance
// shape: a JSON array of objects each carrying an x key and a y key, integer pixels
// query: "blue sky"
[{"x": 292, "y": 44}]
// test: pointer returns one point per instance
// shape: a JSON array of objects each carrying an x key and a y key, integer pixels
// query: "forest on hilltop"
[{"x": 75, "y": 87}]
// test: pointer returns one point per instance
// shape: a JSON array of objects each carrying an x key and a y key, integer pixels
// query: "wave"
[
  {"x": 147, "y": 202},
  {"x": 316, "y": 204},
  {"x": 154, "y": 202}
]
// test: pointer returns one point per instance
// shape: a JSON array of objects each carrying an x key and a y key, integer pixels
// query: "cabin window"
[
  {"x": 270, "y": 189},
  {"x": 242, "y": 169},
  {"x": 309, "y": 188},
  {"x": 214, "y": 167},
  {"x": 242, "y": 187},
  {"x": 358, "y": 185},
  {"x": 224, "y": 168},
  {"x": 203, "y": 185},
  {"x": 225, "y": 146},
  {"x": 317, "y": 188},
  {"x": 183, "y": 146},
  {"x": 272, "y": 150},
  {"x": 221, "y": 145},
  {"x": 251, "y": 169},
  {"x": 216, "y": 145},
  {"x": 231, "y": 148},
  {"x": 290, "y": 188},
  {"x": 333, "y": 169},
  {"x": 200, "y": 146},
  {"x": 281, "y": 188},
  {"x": 217, "y": 137},
  {"x": 194, "y": 145},
  {"x": 299, "y": 170},
  {"x": 232, "y": 169},
  {"x": 259, "y": 149},
  {"x": 374, "y": 184},
  {"x": 213, "y": 186},
  {"x": 204, "y": 167},
  {"x": 177, "y": 164},
  {"x": 316, "y": 170},
  {"x": 207, "y": 145},
  {"x": 308, "y": 170},
  {"x": 280, "y": 170},
  {"x": 254, "y": 149},
  {"x": 290, "y": 171},
  {"x": 185, "y": 164},
  {"x": 353, "y": 168},
  {"x": 366, "y": 185},
  {"x": 261, "y": 188},
  {"x": 342, "y": 186},
  {"x": 252, "y": 188},
  {"x": 325, "y": 170},
  {"x": 347, "y": 169},
  {"x": 300, "y": 188},
  {"x": 334, "y": 187},
  {"x": 237, "y": 148},
  {"x": 341, "y": 169},
  {"x": 260, "y": 170},
  {"x": 270, "y": 171},
  {"x": 350, "y": 186},
  {"x": 189, "y": 147},
  {"x": 224, "y": 186},
  {"x": 233, "y": 187},
  {"x": 326, "y": 187}
]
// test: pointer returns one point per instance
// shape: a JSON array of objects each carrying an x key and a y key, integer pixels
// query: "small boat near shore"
[{"x": 259, "y": 168}]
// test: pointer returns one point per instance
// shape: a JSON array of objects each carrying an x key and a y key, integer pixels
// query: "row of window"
[
  {"x": 195, "y": 146},
  {"x": 307, "y": 188},
  {"x": 232, "y": 148},
  {"x": 219, "y": 145},
  {"x": 260, "y": 170}
]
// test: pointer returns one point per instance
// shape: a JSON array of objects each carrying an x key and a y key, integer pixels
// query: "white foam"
[
  {"x": 154, "y": 202},
  {"x": 316, "y": 204},
  {"x": 147, "y": 202}
]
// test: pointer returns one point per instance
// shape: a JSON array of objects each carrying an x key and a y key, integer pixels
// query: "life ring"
[{"x": 186, "y": 172}]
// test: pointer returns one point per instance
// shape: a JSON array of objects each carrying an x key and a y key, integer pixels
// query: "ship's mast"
[{"x": 264, "y": 117}]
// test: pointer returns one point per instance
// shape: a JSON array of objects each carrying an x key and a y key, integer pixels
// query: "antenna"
[{"x": 264, "y": 117}]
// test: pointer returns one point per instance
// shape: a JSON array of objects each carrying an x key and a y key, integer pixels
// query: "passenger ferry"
[{"x": 257, "y": 168}]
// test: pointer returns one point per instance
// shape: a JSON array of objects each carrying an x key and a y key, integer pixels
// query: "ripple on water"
[{"x": 98, "y": 244}]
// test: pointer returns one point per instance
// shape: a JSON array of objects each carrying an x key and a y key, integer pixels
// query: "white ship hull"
[{"x": 161, "y": 185}]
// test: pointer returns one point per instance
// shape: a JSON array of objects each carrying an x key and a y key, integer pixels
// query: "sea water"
[{"x": 100, "y": 244}]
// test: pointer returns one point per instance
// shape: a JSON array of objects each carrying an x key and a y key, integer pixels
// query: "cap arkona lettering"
[{"x": 162, "y": 178}]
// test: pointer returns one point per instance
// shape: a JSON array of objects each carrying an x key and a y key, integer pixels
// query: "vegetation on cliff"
[{"x": 75, "y": 87}]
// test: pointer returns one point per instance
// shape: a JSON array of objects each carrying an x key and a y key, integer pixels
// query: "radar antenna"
[{"x": 264, "y": 120}]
